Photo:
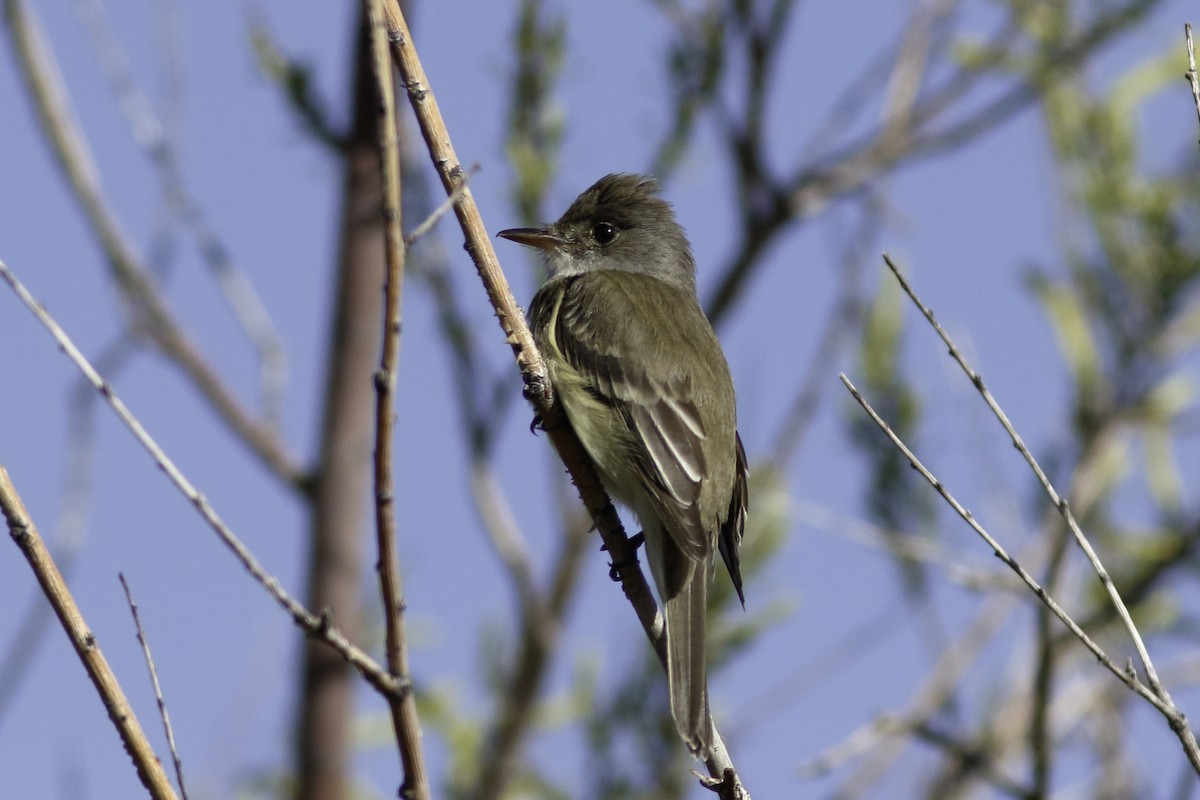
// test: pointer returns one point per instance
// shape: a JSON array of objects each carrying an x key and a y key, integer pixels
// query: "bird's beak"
[{"x": 540, "y": 238}]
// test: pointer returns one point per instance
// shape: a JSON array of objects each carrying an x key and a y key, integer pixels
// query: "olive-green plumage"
[{"x": 643, "y": 382}]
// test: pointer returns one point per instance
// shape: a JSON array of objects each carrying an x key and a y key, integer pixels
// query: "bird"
[{"x": 643, "y": 381}]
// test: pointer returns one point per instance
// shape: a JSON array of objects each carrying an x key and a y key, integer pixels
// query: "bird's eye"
[{"x": 604, "y": 232}]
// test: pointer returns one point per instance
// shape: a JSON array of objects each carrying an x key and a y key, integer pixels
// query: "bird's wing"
[
  {"x": 730, "y": 539},
  {"x": 655, "y": 400}
]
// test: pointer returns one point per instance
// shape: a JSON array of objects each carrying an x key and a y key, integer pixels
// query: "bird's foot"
[
  {"x": 553, "y": 419},
  {"x": 630, "y": 559}
]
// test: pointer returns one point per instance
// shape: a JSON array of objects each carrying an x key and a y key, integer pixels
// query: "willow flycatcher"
[{"x": 640, "y": 374}]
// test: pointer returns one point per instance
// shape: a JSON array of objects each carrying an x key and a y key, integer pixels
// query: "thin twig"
[
  {"x": 26, "y": 536},
  {"x": 1191, "y": 71},
  {"x": 1059, "y": 502},
  {"x": 404, "y": 709},
  {"x": 1166, "y": 705},
  {"x": 168, "y": 731},
  {"x": 1128, "y": 677},
  {"x": 529, "y": 361},
  {"x": 442, "y": 210},
  {"x": 321, "y": 627}
]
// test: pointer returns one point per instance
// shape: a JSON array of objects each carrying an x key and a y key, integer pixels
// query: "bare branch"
[
  {"x": 442, "y": 210},
  {"x": 168, "y": 731},
  {"x": 517, "y": 333}
]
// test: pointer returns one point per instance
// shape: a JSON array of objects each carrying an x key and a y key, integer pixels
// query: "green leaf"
[{"x": 1076, "y": 341}]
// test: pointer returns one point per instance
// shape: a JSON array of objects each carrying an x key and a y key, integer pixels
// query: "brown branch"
[
  {"x": 404, "y": 710},
  {"x": 512, "y": 320},
  {"x": 529, "y": 362},
  {"x": 26, "y": 536},
  {"x": 452, "y": 175}
]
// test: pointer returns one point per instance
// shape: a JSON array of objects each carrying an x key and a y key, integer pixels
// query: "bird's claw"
[{"x": 614, "y": 567}]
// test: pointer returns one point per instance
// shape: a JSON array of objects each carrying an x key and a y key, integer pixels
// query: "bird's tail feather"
[{"x": 686, "y": 664}]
